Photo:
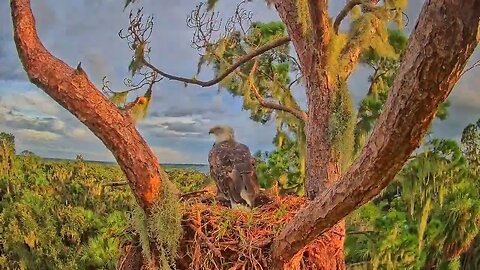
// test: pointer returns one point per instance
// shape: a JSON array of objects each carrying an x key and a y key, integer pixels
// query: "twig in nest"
[
  {"x": 238, "y": 266},
  {"x": 205, "y": 239}
]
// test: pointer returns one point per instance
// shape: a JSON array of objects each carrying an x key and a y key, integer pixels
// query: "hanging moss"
[
  {"x": 337, "y": 43},
  {"x": 342, "y": 124},
  {"x": 161, "y": 227},
  {"x": 303, "y": 15}
]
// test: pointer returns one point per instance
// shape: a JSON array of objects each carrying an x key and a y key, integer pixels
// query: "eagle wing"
[{"x": 231, "y": 164}]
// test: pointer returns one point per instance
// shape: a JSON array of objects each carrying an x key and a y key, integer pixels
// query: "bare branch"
[
  {"x": 344, "y": 12},
  {"x": 148, "y": 79},
  {"x": 138, "y": 31},
  {"x": 115, "y": 184},
  {"x": 204, "y": 23},
  {"x": 301, "y": 115},
  {"x": 476, "y": 64},
  {"x": 242, "y": 60}
]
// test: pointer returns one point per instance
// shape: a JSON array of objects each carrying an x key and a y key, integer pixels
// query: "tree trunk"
[
  {"x": 72, "y": 89},
  {"x": 322, "y": 162},
  {"x": 439, "y": 47}
]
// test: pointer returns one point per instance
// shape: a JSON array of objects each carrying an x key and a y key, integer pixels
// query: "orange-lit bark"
[
  {"x": 72, "y": 89},
  {"x": 439, "y": 47}
]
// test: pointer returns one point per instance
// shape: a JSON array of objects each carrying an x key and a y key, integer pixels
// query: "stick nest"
[{"x": 218, "y": 237}]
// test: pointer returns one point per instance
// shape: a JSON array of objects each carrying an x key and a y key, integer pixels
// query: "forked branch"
[
  {"x": 409, "y": 110},
  {"x": 242, "y": 60},
  {"x": 474, "y": 65}
]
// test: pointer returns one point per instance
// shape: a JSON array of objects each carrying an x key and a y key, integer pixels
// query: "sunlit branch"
[
  {"x": 319, "y": 20},
  {"x": 115, "y": 184},
  {"x": 242, "y": 60}
]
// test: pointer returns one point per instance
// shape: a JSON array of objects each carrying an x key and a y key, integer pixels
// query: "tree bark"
[
  {"x": 321, "y": 162},
  {"x": 439, "y": 47},
  {"x": 72, "y": 89}
]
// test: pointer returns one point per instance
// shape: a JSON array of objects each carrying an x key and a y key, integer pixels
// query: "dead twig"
[{"x": 115, "y": 184}]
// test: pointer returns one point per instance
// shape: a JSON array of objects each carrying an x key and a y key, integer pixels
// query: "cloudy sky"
[{"x": 179, "y": 118}]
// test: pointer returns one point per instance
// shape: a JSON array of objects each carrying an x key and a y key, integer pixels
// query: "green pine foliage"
[
  {"x": 427, "y": 218},
  {"x": 59, "y": 215},
  {"x": 56, "y": 215}
]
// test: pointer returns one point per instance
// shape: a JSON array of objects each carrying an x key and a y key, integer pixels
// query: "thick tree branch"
[
  {"x": 287, "y": 10},
  {"x": 439, "y": 47},
  {"x": 350, "y": 54},
  {"x": 320, "y": 23},
  {"x": 72, "y": 89},
  {"x": 242, "y": 60},
  {"x": 301, "y": 115}
]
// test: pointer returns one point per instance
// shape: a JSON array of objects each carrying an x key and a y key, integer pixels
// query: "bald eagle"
[{"x": 232, "y": 167}]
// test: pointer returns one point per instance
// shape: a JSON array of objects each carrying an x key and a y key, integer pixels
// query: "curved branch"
[
  {"x": 242, "y": 60},
  {"x": 419, "y": 88},
  {"x": 301, "y": 115},
  {"x": 72, "y": 89},
  {"x": 344, "y": 12}
]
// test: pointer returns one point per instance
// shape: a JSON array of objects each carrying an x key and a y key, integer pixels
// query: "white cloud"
[
  {"x": 79, "y": 133},
  {"x": 35, "y": 100},
  {"x": 35, "y": 135},
  {"x": 169, "y": 155}
]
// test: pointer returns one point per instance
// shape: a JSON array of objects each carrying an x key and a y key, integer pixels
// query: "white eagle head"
[{"x": 222, "y": 133}]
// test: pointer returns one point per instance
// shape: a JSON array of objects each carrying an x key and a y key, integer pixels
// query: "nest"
[{"x": 218, "y": 237}]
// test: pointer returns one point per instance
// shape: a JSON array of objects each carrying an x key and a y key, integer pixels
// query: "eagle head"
[{"x": 222, "y": 133}]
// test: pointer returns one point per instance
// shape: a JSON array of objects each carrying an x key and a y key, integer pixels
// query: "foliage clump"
[
  {"x": 57, "y": 215},
  {"x": 61, "y": 215},
  {"x": 428, "y": 217}
]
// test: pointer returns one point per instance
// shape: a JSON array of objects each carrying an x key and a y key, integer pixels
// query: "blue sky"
[{"x": 179, "y": 118}]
